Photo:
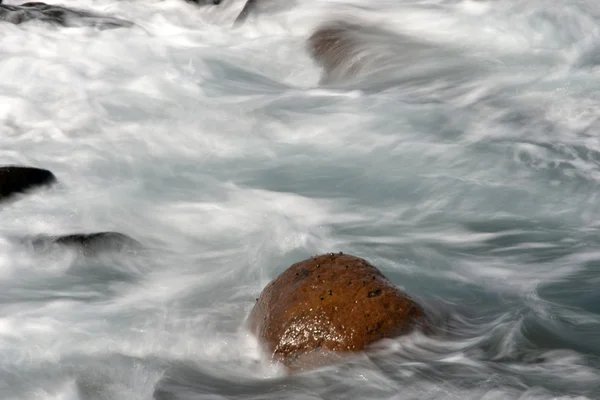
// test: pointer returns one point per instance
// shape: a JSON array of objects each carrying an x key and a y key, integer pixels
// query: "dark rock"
[
  {"x": 16, "y": 179},
  {"x": 89, "y": 243},
  {"x": 328, "y": 305},
  {"x": 357, "y": 53},
  {"x": 58, "y": 15}
]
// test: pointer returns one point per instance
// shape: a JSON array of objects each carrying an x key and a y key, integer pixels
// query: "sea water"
[{"x": 466, "y": 167}]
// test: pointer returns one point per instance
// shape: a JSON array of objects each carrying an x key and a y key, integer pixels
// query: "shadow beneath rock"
[{"x": 186, "y": 381}]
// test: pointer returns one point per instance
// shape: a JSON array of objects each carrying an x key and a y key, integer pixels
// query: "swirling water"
[{"x": 466, "y": 166}]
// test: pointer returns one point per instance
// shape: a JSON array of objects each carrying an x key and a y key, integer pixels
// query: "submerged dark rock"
[
  {"x": 88, "y": 243},
  {"x": 58, "y": 15},
  {"x": 16, "y": 179}
]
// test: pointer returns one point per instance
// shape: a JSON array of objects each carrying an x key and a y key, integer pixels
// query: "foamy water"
[{"x": 465, "y": 164}]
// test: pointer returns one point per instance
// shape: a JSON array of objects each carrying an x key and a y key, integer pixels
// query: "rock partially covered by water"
[
  {"x": 328, "y": 305},
  {"x": 58, "y": 15},
  {"x": 90, "y": 244},
  {"x": 338, "y": 47},
  {"x": 16, "y": 179}
]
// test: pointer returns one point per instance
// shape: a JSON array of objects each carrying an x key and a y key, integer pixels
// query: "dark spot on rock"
[
  {"x": 322, "y": 298},
  {"x": 375, "y": 328},
  {"x": 305, "y": 273},
  {"x": 374, "y": 293}
]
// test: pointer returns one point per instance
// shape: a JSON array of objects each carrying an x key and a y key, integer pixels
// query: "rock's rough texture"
[{"x": 327, "y": 305}]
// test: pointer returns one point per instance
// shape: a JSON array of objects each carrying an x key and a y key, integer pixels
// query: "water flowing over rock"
[
  {"x": 326, "y": 305},
  {"x": 58, "y": 15},
  {"x": 335, "y": 47},
  {"x": 90, "y": 244}
]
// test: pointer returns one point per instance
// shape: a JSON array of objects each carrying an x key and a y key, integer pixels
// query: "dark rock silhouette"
[
  {"x": 320, "y": 308},
  {"x": 58, "y": 15},
  {"x": 89, "y": 243},
  {"x": 16, "y": 179}
]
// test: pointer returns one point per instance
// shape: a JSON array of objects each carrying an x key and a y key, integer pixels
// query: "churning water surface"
[{"x": 465, "y": 164}]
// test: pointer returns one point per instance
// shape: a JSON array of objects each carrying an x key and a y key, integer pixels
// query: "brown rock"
[
  {"x": 336, "y": 47},
  {"x": 327, "y": 305}
]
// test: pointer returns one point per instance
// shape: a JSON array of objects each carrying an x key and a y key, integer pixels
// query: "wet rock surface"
[{"x": 327, "y": 305}]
